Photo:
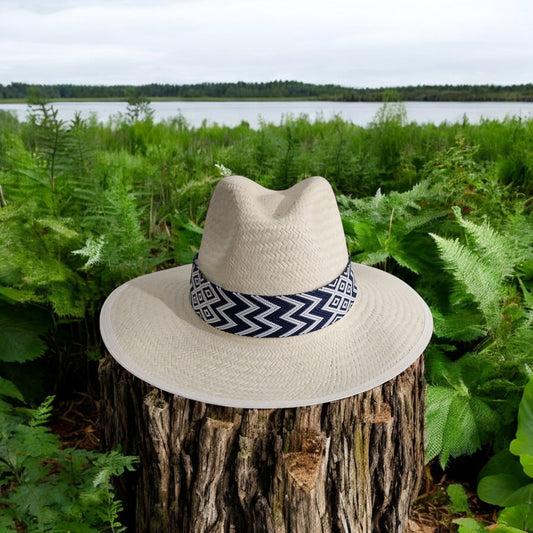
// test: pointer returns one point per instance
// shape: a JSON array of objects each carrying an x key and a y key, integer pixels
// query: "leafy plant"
[
  {"x": 482, "y": 268},
  {"x": 389, "y": 227},
  {"x": 34, "y": 259},
  {"x": 44, "y": 487},
  {"x": 85, "y": 206},
  {"x": 507, "y": 479},
  {"x": 458, "y": 422},
  {"x": 483, "y": 304},
  {"x": 49, "y": 135},
  {"x": 139, "y": 109},
  {"x": 458, "y": 499}
]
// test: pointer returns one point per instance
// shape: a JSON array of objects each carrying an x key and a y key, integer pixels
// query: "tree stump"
[{"x": 352, "y": 465}]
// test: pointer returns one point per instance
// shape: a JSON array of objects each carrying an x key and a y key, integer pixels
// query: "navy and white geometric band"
[{"x": 286, "y": 315}]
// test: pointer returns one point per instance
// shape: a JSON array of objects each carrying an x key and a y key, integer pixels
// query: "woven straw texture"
[{"x": 260, "y": 242}]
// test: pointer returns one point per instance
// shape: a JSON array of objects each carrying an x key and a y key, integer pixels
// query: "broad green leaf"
[
  {"x": 10, "y": 390},
  {"x": 518, "y": 516},
  {"x": 505, "y": 490},
  {"x": 373, "y": 258},
  {"x": 20, "y": 333},
  {"x": 457, "y": 422},
  {"x": 524, "y": 495},
  {"x": 504, "y": 462},
  {"x": 438, "y": 400},
  {"x": 187, "y": 239},
  {"x": 469, "y": 525},
  {"x": 401, "y": 253},
  {"x": 523, "y": 444},
  {"x": 507, "y": 529}
]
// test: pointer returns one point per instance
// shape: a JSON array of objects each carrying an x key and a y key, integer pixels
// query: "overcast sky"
[{"x": 370, "y": 43}]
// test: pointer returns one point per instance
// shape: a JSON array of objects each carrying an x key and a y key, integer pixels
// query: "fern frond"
[
  {"x": 491, "y": 245},
  {"x": 457, "y": 423},
  {"x": 111, "y": 464},
  {"x": 480, "y": 279},
  {"x": 193, "y": 196},
  {"x": 438, "y": 400},
  {"x": 92, "y": 251},
  {"x": 461, "y": 325},
  {"x": 42, "y": 413},
  {"x": 49, "y": 488},
  {"x": 423, "y": 219},
  {"x": 58, "y": 226}
]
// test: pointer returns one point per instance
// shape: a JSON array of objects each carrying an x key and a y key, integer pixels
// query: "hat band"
[{"x": 287, "y": 315}]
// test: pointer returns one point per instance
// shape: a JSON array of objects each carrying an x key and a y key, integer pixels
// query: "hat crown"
[{"x": 259, "y": 241}]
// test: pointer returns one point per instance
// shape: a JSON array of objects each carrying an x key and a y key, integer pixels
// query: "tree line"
[{"x": 273, "y": 89}]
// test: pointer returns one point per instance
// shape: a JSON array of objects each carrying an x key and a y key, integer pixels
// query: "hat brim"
[{"x": 150, "y": 328}]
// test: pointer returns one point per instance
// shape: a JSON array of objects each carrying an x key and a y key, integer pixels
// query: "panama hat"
[{"x": 272, "y": 313}]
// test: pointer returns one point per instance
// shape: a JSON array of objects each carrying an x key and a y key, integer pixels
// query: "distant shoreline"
[
  {"x": 167, "y": 99},
  {"x": 213, "y": 99},
  {"x": 265, "y": 91}
]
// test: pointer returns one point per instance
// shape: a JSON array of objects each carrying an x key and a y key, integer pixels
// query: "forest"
[
  {"x": 270, "y": 90},
  {"x": 85, "y": 206}
]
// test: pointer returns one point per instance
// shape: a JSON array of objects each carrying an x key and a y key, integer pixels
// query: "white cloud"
[{"x": 351, "y": 42}]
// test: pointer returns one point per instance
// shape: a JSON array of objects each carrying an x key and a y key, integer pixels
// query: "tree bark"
[{"x": 353, "y": 465}]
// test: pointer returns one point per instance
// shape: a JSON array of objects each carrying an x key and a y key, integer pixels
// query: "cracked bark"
[{"x": 350, "y": 466}]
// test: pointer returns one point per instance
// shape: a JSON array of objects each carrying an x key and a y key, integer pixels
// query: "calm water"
[{"x": 233, "y": 113}]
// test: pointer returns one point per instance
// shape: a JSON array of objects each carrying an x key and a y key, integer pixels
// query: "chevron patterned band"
[{"x": 272, "y": 316}]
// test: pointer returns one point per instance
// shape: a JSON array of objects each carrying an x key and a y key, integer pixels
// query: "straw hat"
[{"x": 272, "y": 313}]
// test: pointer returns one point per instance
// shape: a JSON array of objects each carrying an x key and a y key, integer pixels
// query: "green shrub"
[
  {"x": 44, "y": 487},
  {"x": 507, "y": 479}
]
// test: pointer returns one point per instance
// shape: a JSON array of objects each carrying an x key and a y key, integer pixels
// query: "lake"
[{"x": 233, "y": 113}]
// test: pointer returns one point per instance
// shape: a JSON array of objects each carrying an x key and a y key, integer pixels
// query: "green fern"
[
  {"x": 392, "y": 226},
  {"x": 92, "y": 251},
  {"x": 191, "y": 197},
  {"x": 484, "y": 305},
  {"x": 49, "y": 140},
  {"x": 47, "y": 488},
  {"x": 34, "y": 259},
  {"x": 125, "y": 248},
  {"x": 461, "y": 415},
  {"x": 462, "y": 324},
  {"x": 481, "y": 269},
  {"x": 503, "y": 250},
  {"x": 80, "y": 148},
  {"x": 42, "y": 413},
  {"x": 477, "y": 277},
  {"x": 457, "y": 423}
]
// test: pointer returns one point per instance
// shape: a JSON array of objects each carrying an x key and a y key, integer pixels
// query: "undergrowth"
[
  {"x": 45, "y": 487},
  {"x": 84, "y": 206}
]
